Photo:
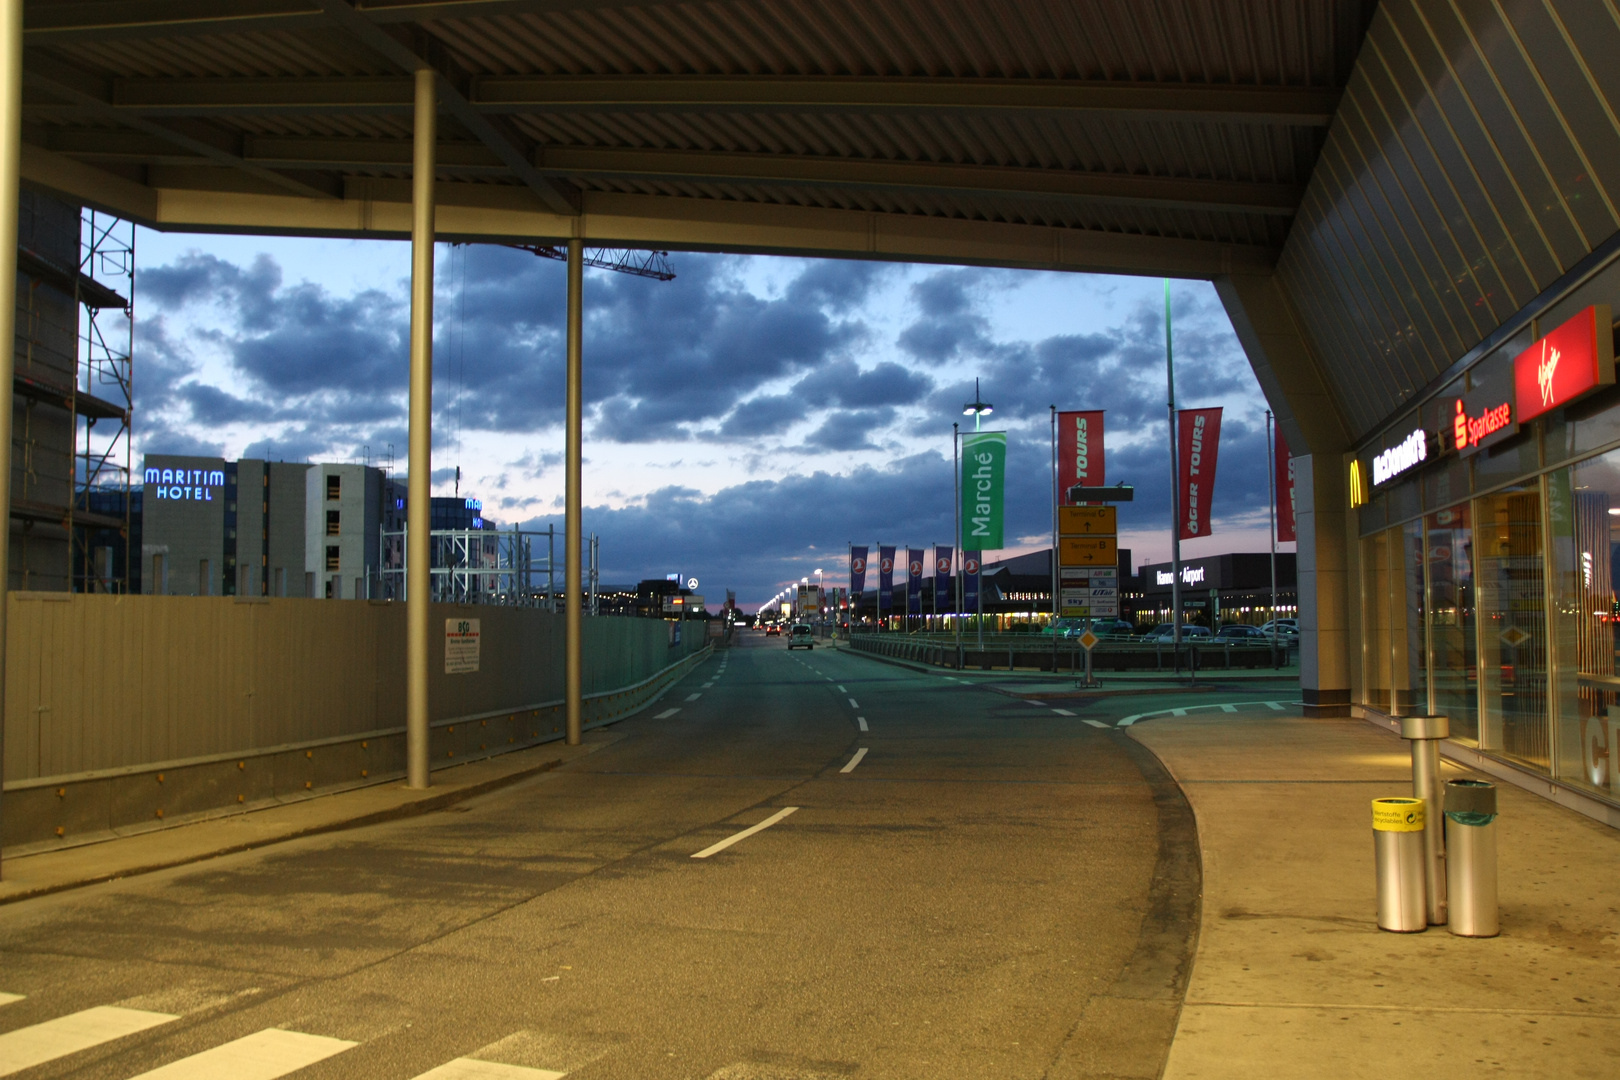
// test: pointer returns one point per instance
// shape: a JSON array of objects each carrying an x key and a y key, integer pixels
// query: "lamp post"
[
  {"x": 978, "y": 409},
  {"x": 821, "y": 604}
]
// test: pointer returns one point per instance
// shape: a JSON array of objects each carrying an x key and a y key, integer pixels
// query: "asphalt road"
[{"x": 967, "y": 885}]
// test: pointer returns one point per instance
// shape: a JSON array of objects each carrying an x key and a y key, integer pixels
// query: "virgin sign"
[{"x": 1567, "y": 363}]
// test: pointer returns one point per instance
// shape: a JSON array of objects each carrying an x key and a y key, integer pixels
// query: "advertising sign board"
[
  {"x": 1080, "y": 449},
  {"x": 1571, "y": 361},
  {"x": 984, "y": 471},
  {"x": 460, "y": 646}
]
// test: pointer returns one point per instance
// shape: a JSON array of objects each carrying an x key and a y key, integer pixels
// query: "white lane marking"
[
  {"x": 842, "y": 689},
  {"x": 708, "y": 684},
  {"x": 854, "y": 761},
  {"x": 1061, "y": 712},
  {"x": 745, "y": 834},
  {"x": 1276, "y": 706},
  {"x": 853, "y": 704},
  {"x": 264, "y": 1055},
  {"x": 667, "y": 713},
  {"x": 1037, "y": 704},
  {"x": 1095, "y": 723},
  {"x": 7, "y": 999},
  {"x": 693, "y": 697},
  {"x": 861, "y": 720},
  {"x": 473, "y": 1069},
  {"x": 39, "y": 1043}
]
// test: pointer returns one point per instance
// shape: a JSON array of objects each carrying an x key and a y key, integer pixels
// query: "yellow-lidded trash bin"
[{"x": 1398, "y": 825}]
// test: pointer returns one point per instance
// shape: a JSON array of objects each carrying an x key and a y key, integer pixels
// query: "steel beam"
[
  {"x": 1292, "y": 106},
  {"x": 559, "y": 197},
  {"x": 573, "y": 558},
  {"x": 11, "y": 31},
  {"x": 419, "y": 505}
]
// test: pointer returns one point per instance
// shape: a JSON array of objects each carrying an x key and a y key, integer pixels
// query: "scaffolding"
[
  {"x": 103, "y": 401},
  {"x": 504, "y": 567}
]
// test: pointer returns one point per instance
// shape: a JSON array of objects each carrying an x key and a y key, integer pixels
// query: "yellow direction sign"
[
  {"x": 1087, "y": 520},
  {"x": 1088, "y": 551}
]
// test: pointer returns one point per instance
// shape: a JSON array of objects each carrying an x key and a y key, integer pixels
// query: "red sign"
[
  {"x": 1285, "y": 492},
  {"x": 1197, "y": 443},
  {"x": 1080, "y": 450},
  {"x": 1572, "y": 360}
]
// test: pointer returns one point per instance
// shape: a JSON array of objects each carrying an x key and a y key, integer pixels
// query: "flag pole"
[
  {"x": 1053, "y": 410},
  {"x": 1271, "y": 492},
  {"x": 956, "y": 488},
  {"x": 1175, "y": 488}
]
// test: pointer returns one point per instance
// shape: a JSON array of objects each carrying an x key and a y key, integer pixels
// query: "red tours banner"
[
  {"x": 1198, "y": 438},
  {"x": 1080, "y": 451},
  {"x": 1285, "y": 492}
]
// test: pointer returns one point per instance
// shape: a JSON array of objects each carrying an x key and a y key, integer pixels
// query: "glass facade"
[{"x": 1499, "y": 611}]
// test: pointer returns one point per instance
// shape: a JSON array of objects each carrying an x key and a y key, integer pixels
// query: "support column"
[
  {"x": 419, "y": 505},
  {"x": 1290, "y": 376},
  {"x": 11, "y": 30},
  {"x": 574, "y": 557}
]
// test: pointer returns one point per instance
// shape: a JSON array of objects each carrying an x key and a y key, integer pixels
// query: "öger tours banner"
[
  {"x": 1198, "y": 437},
  {"x": 1285, "y": 492},
  {"x": 1080, "y": 451}
]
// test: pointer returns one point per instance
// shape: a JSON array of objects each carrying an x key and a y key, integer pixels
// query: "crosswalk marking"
[
  {"x": 39, "y": 1043},
  {"x": 264, "y": 1055},
  {"x": 474, "y": 1069},
  {"x": 1228, "y": 708}
]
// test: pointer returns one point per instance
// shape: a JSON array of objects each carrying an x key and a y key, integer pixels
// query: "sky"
[{"x": 744, "y": 422}]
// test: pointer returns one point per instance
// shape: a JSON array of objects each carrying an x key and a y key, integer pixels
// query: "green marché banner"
[{"x": 984, "y": 488}]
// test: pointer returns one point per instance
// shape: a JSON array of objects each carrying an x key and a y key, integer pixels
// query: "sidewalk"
[
  {"x": 53, "y": 871},
  {"x": 1292, "y": 977}
]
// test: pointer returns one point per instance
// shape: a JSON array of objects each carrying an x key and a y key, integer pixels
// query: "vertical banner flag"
[
  {"x": 914, "y": 580},
  {"x": 942, "y": 576},
  {"x": 970, "y": 582},
  {"x": 885, "y": 579},
  {"x": 1285, "y": 492},
  {"x": 1080, "y": 451},
  {"x": 1198, "y": 434},
  {"x": 984, "y": 484},
  {"x": 857, "y": 572}
]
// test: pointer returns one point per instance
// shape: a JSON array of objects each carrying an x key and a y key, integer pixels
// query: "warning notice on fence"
[{"x": 460, "y": 646}]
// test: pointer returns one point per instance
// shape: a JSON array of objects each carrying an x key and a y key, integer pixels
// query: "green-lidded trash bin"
[
  {"x": 1398, "y": 852},
  {"x": 1471, "y": 858}
]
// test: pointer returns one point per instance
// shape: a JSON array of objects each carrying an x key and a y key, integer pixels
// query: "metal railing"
[{"x": 1036, "y": 652}]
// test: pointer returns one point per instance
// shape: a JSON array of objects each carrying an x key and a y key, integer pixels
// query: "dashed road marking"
[
  {"x": 39, "y": 1043},
  {"x": 854, "y": 761},
  {"x": 693, "y": 697},
  {"x": 841, "y": 689},
  {"x": 264, "y": 1055},
  {"x": 667, "y": 713},
  {"x": 1095, "y": 723},
  {"x": 745, "y": 834},
  {"x": 853, "y": 704},
  {"x": 1061, "y": 712},
  {"x": 861, "y": 720}
]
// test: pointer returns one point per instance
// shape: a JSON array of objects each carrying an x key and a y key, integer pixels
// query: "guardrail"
[{"x": 1012, "y": 652}]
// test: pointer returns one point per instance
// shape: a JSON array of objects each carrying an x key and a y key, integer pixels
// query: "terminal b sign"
[{"x": 1088, "y": 551}]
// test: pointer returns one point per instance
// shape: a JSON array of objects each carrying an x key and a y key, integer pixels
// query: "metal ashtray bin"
[
  {"x": 1424, "y": 734},
  {"x": 1398, "y": 852},
  {"x": 1471, "y": 858}
]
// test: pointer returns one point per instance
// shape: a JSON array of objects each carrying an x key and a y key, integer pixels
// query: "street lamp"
[{"x": 976, "y": 408}]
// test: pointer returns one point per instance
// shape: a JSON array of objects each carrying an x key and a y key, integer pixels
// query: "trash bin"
[
  {"x": 1471, "y": 858},
  {"x": 1398, "y": 853}
]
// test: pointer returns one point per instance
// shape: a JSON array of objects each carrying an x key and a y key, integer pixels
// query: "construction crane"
[{"x": 647, "y": 264}]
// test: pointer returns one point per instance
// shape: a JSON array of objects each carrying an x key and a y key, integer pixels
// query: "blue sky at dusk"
[{"x": 744, "y": 422}]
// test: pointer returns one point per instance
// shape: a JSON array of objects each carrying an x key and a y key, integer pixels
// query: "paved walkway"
[{"x": 1292, "y": 977}]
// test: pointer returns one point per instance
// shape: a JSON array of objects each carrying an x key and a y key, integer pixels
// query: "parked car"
[
  {"x": 1165, "y": 632},
  {"x": 1240, "y": 632},
  {"x": 801, "y": 636},
  {"x": 1285, "y": 627}
]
